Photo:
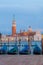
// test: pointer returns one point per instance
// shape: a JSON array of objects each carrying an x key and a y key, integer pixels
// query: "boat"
[
  {"x": 14, "y": 50},
  {"x": 3, "y": 50},
  {"x": 24, "y": 50},
  {"x": 37, "y": 50}
]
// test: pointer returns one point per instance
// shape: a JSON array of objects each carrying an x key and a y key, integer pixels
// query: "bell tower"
[{"x": 13, "y": 27}]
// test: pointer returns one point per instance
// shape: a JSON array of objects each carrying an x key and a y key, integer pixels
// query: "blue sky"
[{"x": 27, "y": 13}]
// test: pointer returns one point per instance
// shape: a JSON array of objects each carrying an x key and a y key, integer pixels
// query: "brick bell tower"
[{"x": 13, "y": 27}]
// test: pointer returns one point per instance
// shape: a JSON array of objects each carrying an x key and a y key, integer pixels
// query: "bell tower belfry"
[{"x": 13, "y": 26}]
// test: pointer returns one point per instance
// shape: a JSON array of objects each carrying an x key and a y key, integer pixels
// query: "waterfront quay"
[{"x": 21, "y": 60}]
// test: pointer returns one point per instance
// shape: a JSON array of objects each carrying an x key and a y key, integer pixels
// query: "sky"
[{"x": 27, "y": 13}]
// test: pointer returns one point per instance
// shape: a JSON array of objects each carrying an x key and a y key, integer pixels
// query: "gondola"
[
  {"x": 14, "y": 50},
  {"x": 24, "y": 50},
  {"x": 37, "y": 50},
  {"x": 3, "y": 50}
]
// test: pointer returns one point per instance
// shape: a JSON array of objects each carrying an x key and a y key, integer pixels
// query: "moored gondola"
[
  {"x": 24, "y": 50},
  {"x": 37, "y": 50},
  {"x": 13, "y": 51},
  {"x": 3, "y": 50}
]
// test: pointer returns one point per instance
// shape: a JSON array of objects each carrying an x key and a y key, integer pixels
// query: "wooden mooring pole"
[{"x": 29, "y": 44}]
